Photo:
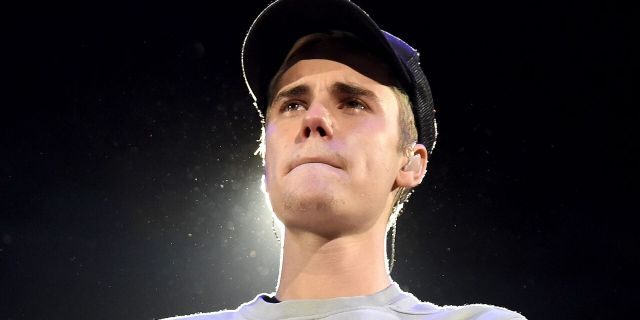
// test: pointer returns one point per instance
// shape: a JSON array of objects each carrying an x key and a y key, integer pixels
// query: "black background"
[{"x": 130, "y": 189}]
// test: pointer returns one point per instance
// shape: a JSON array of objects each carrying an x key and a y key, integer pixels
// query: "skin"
[{"x": 332, "y": 165}]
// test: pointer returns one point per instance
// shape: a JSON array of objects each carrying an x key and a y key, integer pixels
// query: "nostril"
[
  {"x": 321, "y": 132},
  {"x": 307, "y": 132}
]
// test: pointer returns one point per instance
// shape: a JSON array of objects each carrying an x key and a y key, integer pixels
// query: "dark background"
[{"x": 129, "y": 188}]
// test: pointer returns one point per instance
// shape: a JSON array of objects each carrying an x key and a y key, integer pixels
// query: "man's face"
[{"x": 332, "y": 139}]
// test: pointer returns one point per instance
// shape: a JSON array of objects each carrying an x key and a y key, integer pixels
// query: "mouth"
[{"x": 315, "y": 160}]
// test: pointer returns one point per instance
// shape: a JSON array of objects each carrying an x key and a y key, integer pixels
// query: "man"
[{"x": 348, "y": 128}]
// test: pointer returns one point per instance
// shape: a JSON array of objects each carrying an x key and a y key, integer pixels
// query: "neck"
[{"x": 314, "y": 267}]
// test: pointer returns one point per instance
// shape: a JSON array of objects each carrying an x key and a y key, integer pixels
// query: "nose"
[{"x": 316, "y": 122}]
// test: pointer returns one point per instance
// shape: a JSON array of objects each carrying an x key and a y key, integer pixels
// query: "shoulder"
[
  {"x": 219, "y": 315},
  {"x": 412, "y": 306},
  {"x": 480, "y": 312}
]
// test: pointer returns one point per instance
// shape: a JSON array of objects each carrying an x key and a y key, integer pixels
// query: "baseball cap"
[{"x": 283, "y": 22}]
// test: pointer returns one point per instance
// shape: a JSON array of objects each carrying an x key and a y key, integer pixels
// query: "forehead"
[
  {"x": 325, "y": 73},
  {"x": 356, "y": 61},
  {"x": 327, "y": 79},
  {"x": 343, "y": 49}
]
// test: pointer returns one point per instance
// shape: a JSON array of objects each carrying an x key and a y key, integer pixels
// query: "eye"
[
  {"x": 292, "y": 106},
  {"x": 355, "y": 105}
]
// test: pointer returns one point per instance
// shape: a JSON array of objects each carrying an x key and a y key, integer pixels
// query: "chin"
[
  {"x": 318, "y": 212},
  {"x": 310, "y": 202},
  {"x": 312, "y": 191}
]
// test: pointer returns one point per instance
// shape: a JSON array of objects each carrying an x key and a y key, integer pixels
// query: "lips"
[{"x": 323, "y": 160}]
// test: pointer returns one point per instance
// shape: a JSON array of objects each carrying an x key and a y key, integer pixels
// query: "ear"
[{"x": 413, "y": 170}]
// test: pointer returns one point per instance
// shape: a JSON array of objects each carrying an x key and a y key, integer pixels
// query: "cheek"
[
  {"x": 276, "y": 145},
  {"x": 377, "y": 149},
  {"x": 270, "y": 156},
  {"x": 380, "y": 165}
]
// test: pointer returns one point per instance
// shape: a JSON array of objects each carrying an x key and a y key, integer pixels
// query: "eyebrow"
[
  {"x": 296, "y": 91},
  {"x": 350, "y": 89},
  {"x": 338, "y": 88}
]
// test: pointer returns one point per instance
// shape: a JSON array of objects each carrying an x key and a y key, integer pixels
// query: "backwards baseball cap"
[{"x": 283, "y": 22}]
